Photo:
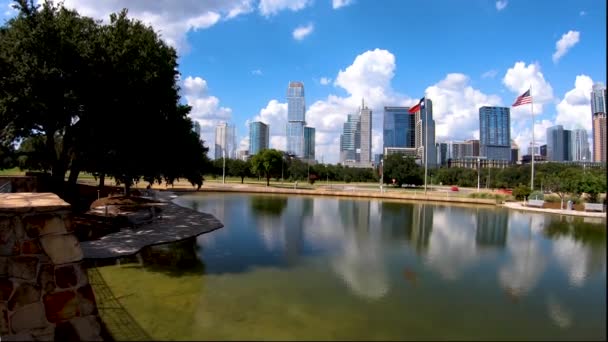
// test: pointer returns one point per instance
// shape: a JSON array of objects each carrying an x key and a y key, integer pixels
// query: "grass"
[{"x": 12, "y": 172}]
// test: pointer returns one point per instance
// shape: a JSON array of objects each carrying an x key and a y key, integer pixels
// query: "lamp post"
[
  {"x": 382, "y": 175},
  {"x": 224, "y": 166},
  {"x": 478, "y": 174}
]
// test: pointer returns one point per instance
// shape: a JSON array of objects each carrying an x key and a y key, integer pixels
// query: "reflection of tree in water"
[
  {"x": 273, "y": 206},
  {"x": 176, "y": 258},
  {"x": 397, "y": 220},
  {"x": 593, "y": 234},
  {"x": 491, "y": 228}
]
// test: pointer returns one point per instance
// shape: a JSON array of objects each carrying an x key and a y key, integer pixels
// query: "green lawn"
[{"x": 12, "y": 172}]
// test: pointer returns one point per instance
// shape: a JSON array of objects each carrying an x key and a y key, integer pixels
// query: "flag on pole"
[
  {"x": 522, "y": 99},
  {"x": 417, "y": 107}
]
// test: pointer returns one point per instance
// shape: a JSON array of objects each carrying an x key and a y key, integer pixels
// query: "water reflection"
[
  {"x": 268, "y": 206},
  {"x": 491, "y": 228}
]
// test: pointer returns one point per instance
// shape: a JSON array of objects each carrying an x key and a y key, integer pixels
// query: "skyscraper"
[
  {"x": 426, "y": 113},
  {"x": 196, "y": 127},
  {"x": 225, "y": 141},
  {"x": 259, "y": 137},
  {"x": 366, "y": 134},
  {"x": 442, "y": 153},
  {"x": 296, "y": 120},
  {"x": 580, "y": 145},
  {"x": 350, "y": 139},
  {"x": 559, "y": 146},
  {"x": 309, "y": 144},
  {"x": 399, "y": 127},
  {"x": 495, "y": 133},
  {"x": 598, "y": 118}
]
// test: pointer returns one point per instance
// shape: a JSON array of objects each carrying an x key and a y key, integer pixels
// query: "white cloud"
[
  {"x": 270, "y": 7},
  {"x": 325, "y": 80},
  {"x": 341, "y": 3},
  {"x": 275, "y": 115},
  {"x": 518, "y": 79},
  {"x": 562, "y": 46},
  {"x": 302, "y": 31},
  {"x": 574, "y": 109},
  {"x": 244, "y": 144},
  {"x": 582, "y": 13},
  {"x": 456, "y": 107},
  {"x": 501, "y": 4},
  {"x": 256, "y": 72},
  {"x": 205, "y": 108},
  {"x": 489, "y": 74}
]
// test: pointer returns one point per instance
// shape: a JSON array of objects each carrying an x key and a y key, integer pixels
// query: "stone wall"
[
  {"x": 44, "y": 290},
  {"x": 20, "y": 183}
]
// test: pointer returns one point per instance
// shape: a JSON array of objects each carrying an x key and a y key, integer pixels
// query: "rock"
[
  {"x": 60, "y": 306},
  {"x": 6, "y": 289},
  {"x": 3, "y": 266},
  {"x": 53, "y": 225},
  {"x": 8, "y": 239},
  {"x": 31, "y": 247},
  {"x": 44, "y": 334},
  {"x": 46, "y": 278},
  {"x": 18, "y": 337},
  {"x": 23, "y": 267},
  {"x": 25, "y": 294},
  {"x": 65, "y": 276},
  {"x": 62, "y": 249},
  {"x": 28, "y": 317},
  {"x": 87, "y": 328},
  {"x": 86, "y": 300},
  {"x": 4, "y": 329}
]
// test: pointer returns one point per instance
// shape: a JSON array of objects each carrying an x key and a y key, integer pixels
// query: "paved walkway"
[
  {"x": 520, "y": 206},
  {"x": 177, "y": 223}
]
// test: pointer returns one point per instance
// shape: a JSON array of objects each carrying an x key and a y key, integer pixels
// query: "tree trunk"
[
  {"x": 268, "y": 180},
  {"x": 74, "y": 171},
  {"x": 242, "y": 179},
  {"x": 102, "y": 179}
]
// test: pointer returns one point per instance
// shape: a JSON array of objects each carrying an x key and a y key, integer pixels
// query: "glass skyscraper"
[
  {"x": 350, "y": 140},
  {"x": 559, "y": 143},
  {"x": 598, "y": 120},
  {"x": 580, "y": 145},
  {"x": 296, "y": 120},
  {"x": 259, "y": 137},
  {"x": 495, "y": 133},
  {"x": 421, "y": 116},
  {"x": 309, "y": 143},
  {"x": 399, "y": 128},
  {"x": 225, "y": 141}
]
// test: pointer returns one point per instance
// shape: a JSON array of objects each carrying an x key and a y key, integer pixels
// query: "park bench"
[
  {"x": 594, "y": 207},
  {"x": 536, "y": 203}
]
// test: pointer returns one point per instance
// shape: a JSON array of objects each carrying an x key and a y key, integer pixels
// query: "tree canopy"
[{"x": 267, "y": 163}]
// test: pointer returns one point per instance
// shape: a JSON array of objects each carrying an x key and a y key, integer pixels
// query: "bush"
[
  {"x": 553, "y": 199},
  {"x": 521, "y": 191},
  {"x": 536, "y": 195}
]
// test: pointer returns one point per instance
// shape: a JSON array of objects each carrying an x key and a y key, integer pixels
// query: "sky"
[{"x": 238, "y": 56}]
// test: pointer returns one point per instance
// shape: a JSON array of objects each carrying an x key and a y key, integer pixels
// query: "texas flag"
[{"x": 417, "y": 107}]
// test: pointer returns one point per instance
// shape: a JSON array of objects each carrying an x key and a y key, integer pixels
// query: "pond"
[{"x": 324, "y": 268}]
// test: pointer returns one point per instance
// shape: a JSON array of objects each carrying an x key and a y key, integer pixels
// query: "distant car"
[{"x": 454, "y": 188}]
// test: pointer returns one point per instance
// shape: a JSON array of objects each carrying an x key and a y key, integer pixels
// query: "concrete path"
[{"x": 520, "y": 206}]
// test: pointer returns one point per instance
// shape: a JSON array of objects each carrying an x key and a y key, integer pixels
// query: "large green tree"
[
  {"x": 402, "y": 169},
  {"x": 267, "y": 163}
]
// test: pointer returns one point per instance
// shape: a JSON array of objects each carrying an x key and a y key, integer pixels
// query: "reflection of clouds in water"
[
  {"x": 527, "y": 260},
  {"x": 272, "y": 231},
  {"x": 452, "y": 244},
  {"x": 578, "y": 260},
  {"x": 558, "y": 313}
]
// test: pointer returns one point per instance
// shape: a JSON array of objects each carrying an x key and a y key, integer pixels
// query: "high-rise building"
[
  {"x": 559, "y": 146},
  {"x": 514, "y": 152},
  {"x": 366, "y": 134},
  {"x": 225, "y": 141},
  {"x": 399, "y": 127},
  {"x": 543, "y": 151},
  {"x": 537, "y": 149},
  {"x": 442, "y": 153},
  {"x": 350, "y": 140},
  {"x": 196, "y": 127},
  {"x": 424, "y": 120},
  {"x": 309, "y": 144},
  {"x": 465, "y": 149},
  {"x": 296, "y": 118},
  {"x": 495, "y": 133},
  {"x": 259, "y": 137},
  {"x": 580, "y": 145},
  {"x": 598, "y": 119}
]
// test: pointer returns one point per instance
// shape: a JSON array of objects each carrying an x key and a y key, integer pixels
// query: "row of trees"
[{"x": 78, "y": 95}]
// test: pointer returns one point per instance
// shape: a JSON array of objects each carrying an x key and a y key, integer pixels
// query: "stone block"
[
  {"x": 44, "y": 334},
  {"x": 6, "y": 289},
  {"x": 25, "y": 294},
  {"x": 31, "y": 247},
  {"x": 81, "y": 272},
  {"x": 60, "y": 306},
  {"x": 18, "y": 228},
  {"x": 62, "y": 249},
  {"x": 28, "y": 317},
  {"x": 33, "y": 224},
  {"x": 3, "y": 266},
  {"x": 4, "y": 327},
  {"x": 23, "y": 267},
  {"x": 68, "y": 222},
  {"x": 8, "y": 239},
  {"x": 87, "y": 328},
  {"x": 65, "y": 276},
  {"x": 53, "y": 225},
  {"x": 86, "y": 300},
  {"x": 46, "y": 278},
  {"x": 24, "y": 336}
]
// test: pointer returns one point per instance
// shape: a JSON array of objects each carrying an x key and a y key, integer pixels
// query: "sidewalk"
[{"x": 520, "y": 206}]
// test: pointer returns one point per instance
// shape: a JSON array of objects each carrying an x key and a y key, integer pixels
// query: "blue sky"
[{"x": 237, "y": 57}]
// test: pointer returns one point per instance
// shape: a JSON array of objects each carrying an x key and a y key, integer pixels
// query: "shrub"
[
  {"x": 536, "y": 195},
  {"x": 521, "y": 191}
]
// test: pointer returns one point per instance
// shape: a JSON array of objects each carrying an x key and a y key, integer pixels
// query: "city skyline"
[{"x": 236, "y": 56}]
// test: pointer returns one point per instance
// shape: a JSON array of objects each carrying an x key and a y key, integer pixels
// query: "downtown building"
[
  {"x": 356, "y": 139},
  {"x": 300, "y": 139},
  {"x": 580, "y": 145},
  {"x": 225, "y": 141},
  {"x": 398, "y": 132},
  {"x": 309, "y": 144},
  {"x": 259, "y": 137},
  {"x": 424, "y": 121},
  {"x": 559, "y": 144},
  {"x": 495, "y": 133},
  {"x": 598, "y": 122}
]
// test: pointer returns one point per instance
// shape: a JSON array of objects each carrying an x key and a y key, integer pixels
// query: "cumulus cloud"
[
  {"x": 582, "y": 13},
  {"x": 256, "y": 72},
  {"x": 489, "y": 74},
  {"x": 302, "y": 31},
  {"x": 518, "y": 79},
  {"x": 271, "y": 7},
  {"x": 456, "y": 107},
  {"x": 340, "y": 3},
  {"x": 325, "y": 80},
  {"x": 172, "y": 18},
  {"x": 562, "y": 46},
  {"x": 275, "y": 116},
  {"x": 575, "y": 108},
  {"x": 501, "y": 4},
  {"x": 206, "y": 108}
]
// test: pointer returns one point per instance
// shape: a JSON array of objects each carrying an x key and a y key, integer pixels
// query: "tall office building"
[
  {"x": 424, "y": 120},
  {"x": 366, "y": 134},
  {"x": 309, "y": 144},
  {"x": 559, "y": 146},
  {"x": 514, "y": 152},
  {"x": 465, "y": 149},
  {"x": 350, "y": 139},
  {"x": 196, "y": 127},
  {"x": 598, "y": 119},
  {"x": 442, "y": 153},
  {"x": 580, "y": 145},
  {"x": 399, "y": 128},
  {"x": 296, "y": 120},
  {"x": 225, "y": 141},
  {"x": 259, "y": 137},
  {"x": 495, "y": 133}
]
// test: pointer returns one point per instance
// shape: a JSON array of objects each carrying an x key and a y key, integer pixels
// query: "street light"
[{"x": 478, "y": 174}]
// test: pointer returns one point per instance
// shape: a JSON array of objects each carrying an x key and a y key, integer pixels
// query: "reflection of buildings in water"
[
  {"x": 452, "y": 242},
  {"x": 422, "y": 226},
  {"x": 271, "y": 229},
  {"x": 397, "y": 220},
  {"x": 527, "y": 262},
  {"x": 491, "y": 228}
]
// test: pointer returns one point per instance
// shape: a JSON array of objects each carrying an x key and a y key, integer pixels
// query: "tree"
[
  {"x": 593, "y": 185},
  {"x": 564, "y": 182},
  {"x": 268, "y": 163},
  {"x": 403, "y": 169},
  {"x": 239, "y": 168}
]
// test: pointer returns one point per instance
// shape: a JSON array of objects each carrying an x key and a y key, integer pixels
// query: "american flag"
[{"x": 523, "y": 99}]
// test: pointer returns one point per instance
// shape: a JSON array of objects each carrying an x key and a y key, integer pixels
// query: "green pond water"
[{"x": 306, "y": 268}]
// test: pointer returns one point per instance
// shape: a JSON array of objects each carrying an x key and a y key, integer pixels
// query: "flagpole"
[
  {"x": 533, "y": 143},
  {"x": 426, "y": 142}
]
